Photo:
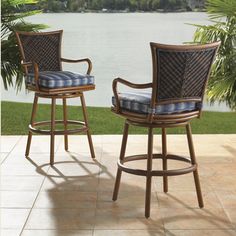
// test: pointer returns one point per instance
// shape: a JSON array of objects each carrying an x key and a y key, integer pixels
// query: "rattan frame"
[
  {"x": 53, "y": 94},
  {"x": 151, "y": 121}
]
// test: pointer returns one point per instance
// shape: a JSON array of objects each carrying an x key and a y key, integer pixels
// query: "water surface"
[{"x": 117, "y": 44}]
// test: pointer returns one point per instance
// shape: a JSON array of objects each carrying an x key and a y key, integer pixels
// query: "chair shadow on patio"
[
  {"x": 84, "y": 202},
  {"x": 230, "y": 149}
]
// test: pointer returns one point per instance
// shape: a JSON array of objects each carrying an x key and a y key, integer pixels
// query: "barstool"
[
  {"x": 180, "y": 75},
  {"x": 42, "y": 63}
]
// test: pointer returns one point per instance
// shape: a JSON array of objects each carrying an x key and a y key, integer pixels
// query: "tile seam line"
[
  {"x": 203, "y": 228},
  {"x": 31, "y": 209},
  {"x": 99, "y": 175},
  {"x": 12, "y": 148},
  {"x": 230, "y": 219},
  {"x": 7, "y": 154},
  {"x": 224, "y": 210}
]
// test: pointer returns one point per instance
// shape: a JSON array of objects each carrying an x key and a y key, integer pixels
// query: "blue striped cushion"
[
  {"x": 140, "y": 103},
  {"x": 60, "y": 79}
]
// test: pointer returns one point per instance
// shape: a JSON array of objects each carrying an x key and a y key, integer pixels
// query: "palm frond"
[
  {"x": 13, "y": 14},
  {"x": 222, "y": 83},
  {"x": 221, "y": 8},
  {"x": 223, "y": 90}
]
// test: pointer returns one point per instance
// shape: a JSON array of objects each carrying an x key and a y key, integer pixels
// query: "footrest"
[
  {"x": 82, "y": 127},
  {"x": 141, "y": 172}
]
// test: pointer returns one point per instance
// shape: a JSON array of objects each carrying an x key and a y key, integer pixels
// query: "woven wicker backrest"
[
  {"x": 42, "y": 48},
  {"x": 181, "y": 72}
]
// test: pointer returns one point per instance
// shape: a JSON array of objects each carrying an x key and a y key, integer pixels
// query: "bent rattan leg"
[
  {"x": 149, "y": 174},
  {"x": 122, "y": 155},
  {"x": 164, "y": 160},
  {"x": 53, "y": 109},
  {"x": 34, "y": 109},
  {"x": 193, "y": 160},
  {"x": 65, "y": 123},
  {"x": 87, "y": 125}
]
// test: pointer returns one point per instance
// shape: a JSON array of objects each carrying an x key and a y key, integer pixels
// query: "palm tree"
[
  {"x": 222, "y": 84},
  {"x": 13, "y": 13}
]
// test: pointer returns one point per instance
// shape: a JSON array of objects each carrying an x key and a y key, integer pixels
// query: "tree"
[
  {"x": 155, "y": 4},
  {"x": 121, "y": 4},
  {"x": 94, "y": 5},
  {"x": 133, "y": 5},
  {"x": 13, "y": 13},
  {"x": 222, "y": 83}
]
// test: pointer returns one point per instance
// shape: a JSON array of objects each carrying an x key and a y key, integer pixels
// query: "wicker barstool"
[
  {"x": 180, "y": 75},
  {"x": 42, "y": 63}
]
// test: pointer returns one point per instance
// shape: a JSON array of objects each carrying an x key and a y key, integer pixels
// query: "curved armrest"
[
  {"x": 129, "y": 84},
  {"x": 36, "y": 71},
  {"x": 80, "y": 60}
]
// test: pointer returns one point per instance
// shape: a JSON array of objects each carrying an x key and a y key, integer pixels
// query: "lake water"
[{"x": 117, "y": 44}]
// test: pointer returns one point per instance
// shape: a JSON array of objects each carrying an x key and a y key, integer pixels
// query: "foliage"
[
  {"x": 13, "y": 13},
  {"x": 15, "y": 119},
  {"x": 222, "y": 84},
  {"x": 116, "y": 5}
]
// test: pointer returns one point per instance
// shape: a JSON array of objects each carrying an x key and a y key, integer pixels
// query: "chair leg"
[
  {"x": 53, "y": 109},
  {"x": 122, "y": 155},
  {"x": 193, "y": 160},
  {"x": 34, "y": 109},
  {"x": 164, "y": 160},
  {"x": 86, "y": 123},
  {"x": 149, "y": 174},
  {"x": 65, "y": 123}
]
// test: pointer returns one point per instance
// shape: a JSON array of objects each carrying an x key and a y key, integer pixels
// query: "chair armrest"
[
  {"x": 80, "y": 60},
  {"x": 129, "y": 84},
  {"x": 36, "y": 71},
  {"x": 27, "y": 63}
]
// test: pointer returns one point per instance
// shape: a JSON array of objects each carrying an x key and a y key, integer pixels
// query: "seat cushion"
[
  {"x": 140, "y": 103},
  {"x": 60, "y": 79}
]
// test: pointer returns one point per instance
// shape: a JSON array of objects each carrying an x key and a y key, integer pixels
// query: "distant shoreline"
[{"x": 127, "y": 11}]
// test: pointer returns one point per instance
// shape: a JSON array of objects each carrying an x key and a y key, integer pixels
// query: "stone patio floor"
[{"x": 74, "y": 196}]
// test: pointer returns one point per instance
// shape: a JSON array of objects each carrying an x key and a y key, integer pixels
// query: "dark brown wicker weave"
[
  {"x": 42, "y": 52},
  {"x": 43, "y": 49},
  {"x": 180, "y": 74}
]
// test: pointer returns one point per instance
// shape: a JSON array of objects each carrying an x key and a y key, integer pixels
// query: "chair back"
[
  {"x": 43, "y": 48},
  {"x": 180, "y": 73}
]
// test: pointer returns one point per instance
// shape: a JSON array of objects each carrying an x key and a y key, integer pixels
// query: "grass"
[{"x": 15, "y": 118}]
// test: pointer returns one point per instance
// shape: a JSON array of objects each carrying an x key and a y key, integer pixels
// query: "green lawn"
[{"x": 15, "y": 118}]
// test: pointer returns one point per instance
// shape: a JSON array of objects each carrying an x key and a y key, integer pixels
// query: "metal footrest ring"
[
  {"x": 141, "y": 172},
  {"x": 82, "y": 128}
]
